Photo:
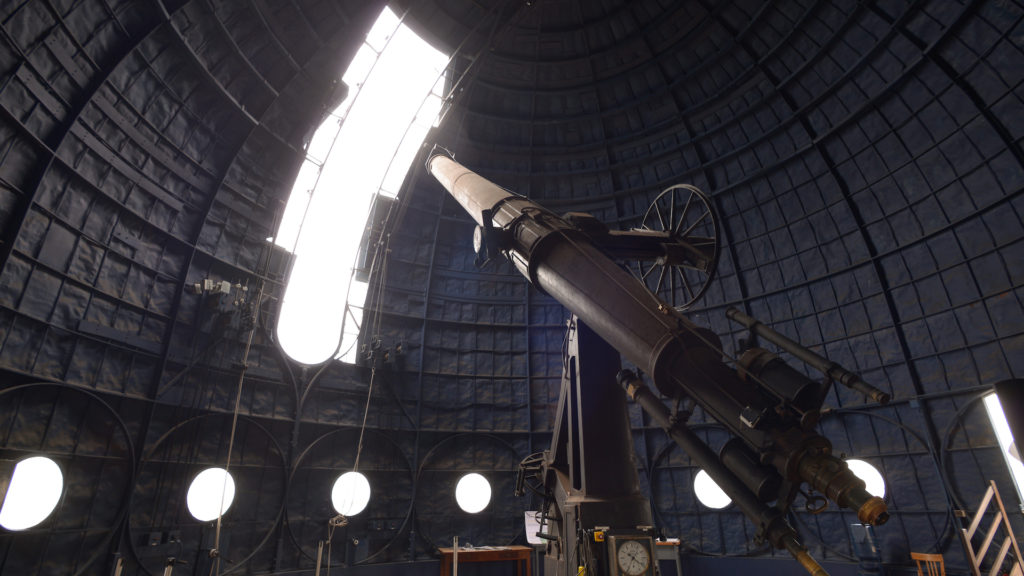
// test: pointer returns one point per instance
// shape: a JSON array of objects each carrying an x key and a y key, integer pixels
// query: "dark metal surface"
[{"x": 588, "y": 476}]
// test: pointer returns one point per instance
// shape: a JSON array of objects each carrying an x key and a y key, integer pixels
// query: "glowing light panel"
[
  {"x": 210, "y": 494},
  {"x": 473, "y": 493},
  {"x": 363, "y": 148},
  {"x": 1006, "y": 443},
  {"x": 708, "y": 492},
  {"x": 351, "y": 493},
  {"x": 870, "y": 475},
  {"x": 35, "y": 489}
]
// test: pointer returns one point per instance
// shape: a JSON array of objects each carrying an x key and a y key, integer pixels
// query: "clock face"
[{"x": 633, "y": 558}]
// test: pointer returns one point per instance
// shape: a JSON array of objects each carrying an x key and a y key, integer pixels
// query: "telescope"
[{"x": 770, "y": 409}]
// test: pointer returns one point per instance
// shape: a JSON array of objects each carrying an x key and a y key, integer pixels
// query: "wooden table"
[
  {"x": 487, "y": 554},
  {"x": 669, "y": 550}
]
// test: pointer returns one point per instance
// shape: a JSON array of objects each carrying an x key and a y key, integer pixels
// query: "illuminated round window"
[
  {"x": 351, "y": 493},
  {"x": 210, "y": 494},
  {"x": 708, "y": 492},
  {"x": 33, "y": 493},
  {"x": 473, "y": 493},
  {"x": 870, "y": 475}
]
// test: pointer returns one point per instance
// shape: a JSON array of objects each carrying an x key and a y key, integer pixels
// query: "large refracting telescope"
[{"x": 770, "y": 408}]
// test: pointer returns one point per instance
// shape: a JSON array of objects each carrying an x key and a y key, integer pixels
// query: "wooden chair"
[{"x": 933, "y": 564}]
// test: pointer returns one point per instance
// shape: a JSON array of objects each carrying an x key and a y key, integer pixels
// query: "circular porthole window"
[
  {"x": 709, "y": 493},
  {"x": 210, "y": 494},
  {"x": 351, "y": 493},
  {"x": 473, "y": 493},
  {"x": 870, "y": 475},
  {"x": 35, "y": 489}
]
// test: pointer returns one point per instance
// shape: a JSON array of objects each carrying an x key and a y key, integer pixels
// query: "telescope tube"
[
  {"x": 827, "y": 367},
  {"x": 681, "y": 358}
]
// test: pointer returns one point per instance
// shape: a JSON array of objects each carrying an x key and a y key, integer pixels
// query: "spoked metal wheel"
[{"x": 682, "y": 275}]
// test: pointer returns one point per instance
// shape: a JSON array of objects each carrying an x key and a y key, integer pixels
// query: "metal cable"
[
  {"x": 234, "y": 420},
  {"x": 366, "y": 412},
  {"x": 238, "y": 401}
]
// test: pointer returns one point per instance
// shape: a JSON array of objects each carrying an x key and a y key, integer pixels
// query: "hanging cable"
[
  {"x": 362, "y": 429},
  {"x": 335, "y": 522},
  {"x": 215, "y": 552},
  {"x": 381, "y": 252}
]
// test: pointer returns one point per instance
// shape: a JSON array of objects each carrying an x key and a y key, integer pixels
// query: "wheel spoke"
[
  {"x": 686, "y": 285},
  {"x": 672, "y": 286},
  {"x": 643, "y": 274},
  {"x": 682, "y": 218},
  {"x": 700, "y": 241},
  {"x": 703, "y": 270},
  {"x": 661, "y": 279},
  {"x": 694, "y": 225},
  {"x": 671, "y": 211},
  {"x": 661, "y": 219}
]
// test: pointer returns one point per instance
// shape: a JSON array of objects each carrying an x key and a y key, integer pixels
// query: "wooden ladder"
[{"x": 1000, "y": 521}]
